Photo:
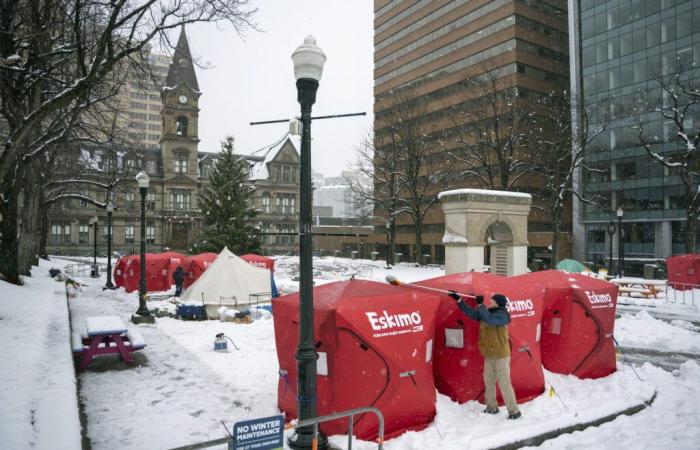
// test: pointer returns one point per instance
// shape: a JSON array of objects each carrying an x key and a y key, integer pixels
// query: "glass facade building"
[{"x": 622, "y": 48}]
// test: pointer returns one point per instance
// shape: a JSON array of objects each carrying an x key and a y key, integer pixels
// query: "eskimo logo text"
[
  {"x": 599, "y": 300},
  {"x": 520, "y": 308},
  {"x": 393, "y": 324}
]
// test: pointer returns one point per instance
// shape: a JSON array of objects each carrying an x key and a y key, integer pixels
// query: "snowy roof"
[
  {"x": 484, "y": 192},
  {"x": 261, "y": 158}
]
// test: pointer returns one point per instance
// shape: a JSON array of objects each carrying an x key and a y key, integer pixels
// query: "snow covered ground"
[{"x": 179, "y": 389}]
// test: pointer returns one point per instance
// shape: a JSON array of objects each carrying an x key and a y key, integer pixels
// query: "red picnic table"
[{"x": 105, "y": 335}]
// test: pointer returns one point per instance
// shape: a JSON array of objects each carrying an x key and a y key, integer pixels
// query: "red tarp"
[
  {"x": 195, "y": 266},
  {"x": 159, "y": 271},
  {"x": 458, "y": 362},
  {"x": 375, "y": 349},
  {"x": 683, "y": 271},
  {"x": 260, "y": 261},
  {"x": 577, "y": 322}
]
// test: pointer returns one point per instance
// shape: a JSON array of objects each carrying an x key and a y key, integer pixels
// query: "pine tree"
[{"x": 227, "y": 207}]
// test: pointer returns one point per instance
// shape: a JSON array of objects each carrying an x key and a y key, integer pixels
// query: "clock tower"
[
  {"x": 180, "y": 97},
  {"x": 178, "y": 146}
]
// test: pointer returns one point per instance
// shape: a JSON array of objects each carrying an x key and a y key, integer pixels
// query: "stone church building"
[{"x": 178, "y": 174}]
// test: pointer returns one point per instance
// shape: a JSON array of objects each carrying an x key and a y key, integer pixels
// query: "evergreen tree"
[{"x": 226, "y": 206}]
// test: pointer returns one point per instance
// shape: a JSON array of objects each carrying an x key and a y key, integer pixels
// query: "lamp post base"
[
  {"x": 304, "y": 441},
  {"x": 138, "y": 319},
  {"x": 109, "y": 286}
]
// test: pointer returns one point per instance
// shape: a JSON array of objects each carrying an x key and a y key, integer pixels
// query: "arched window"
[{"x": 181, "y": 126}]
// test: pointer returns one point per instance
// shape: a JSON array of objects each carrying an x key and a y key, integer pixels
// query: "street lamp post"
[
  {"x": 94, "y": 273},
  {"x": 142, "y": 314},
  {"x": 620, "y": 245},
  {"x": 308, "y": 62},
  {"x": 110, "y": 209},
  {"x": 611, "y": 233}
]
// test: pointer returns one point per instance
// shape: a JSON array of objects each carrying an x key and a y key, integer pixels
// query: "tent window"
[
  {"x": 429, "y": 351},
  {"x": 322, "y": 364},
  {"x": 454, "y": 338}
]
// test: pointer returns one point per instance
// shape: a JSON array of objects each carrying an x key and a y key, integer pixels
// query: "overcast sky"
[{"x": 252, "y": 78}]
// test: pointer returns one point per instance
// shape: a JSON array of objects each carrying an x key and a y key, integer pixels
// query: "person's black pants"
[{"x": 178, "y": 289}]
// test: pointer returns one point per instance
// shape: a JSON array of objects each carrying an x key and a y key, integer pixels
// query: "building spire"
[{"x": 182, "y": 68}]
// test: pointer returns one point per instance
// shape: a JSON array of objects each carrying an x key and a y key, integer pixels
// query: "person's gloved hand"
[
  {"x": 479, "y": 299},
  {"x": 454, "y": 295}
]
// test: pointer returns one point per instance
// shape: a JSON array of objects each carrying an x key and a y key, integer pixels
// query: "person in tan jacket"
[{"x": 495, "y": 348}]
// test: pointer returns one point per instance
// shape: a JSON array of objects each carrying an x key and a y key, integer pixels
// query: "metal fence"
[
  {"x": 83, "y": 269},
  {"x": 682, "y": 293}
]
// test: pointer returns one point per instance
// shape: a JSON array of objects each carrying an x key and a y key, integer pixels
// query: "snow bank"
[
  {"x": 643, "y": 331},
  {"x": 38, "y": 401}
]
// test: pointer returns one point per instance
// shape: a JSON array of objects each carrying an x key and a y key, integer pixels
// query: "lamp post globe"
[
  {"x": 142, "y": 314},
  {"x": 110, "y": 210},
  {"x": 308, "y": 62}
]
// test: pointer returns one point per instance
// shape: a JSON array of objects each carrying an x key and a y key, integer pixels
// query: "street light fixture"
[
  {"x": 308, "y": 62},
  {"x": 110, "y": 210},
  {"x": 142, "y": 314},
  {"x": 94, "y": 273},
  {"x": 611, "y": 232},
  {"x": 620, "y": 245}
]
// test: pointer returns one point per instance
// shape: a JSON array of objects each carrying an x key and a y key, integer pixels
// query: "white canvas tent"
[{"x": 229, "y": 281}]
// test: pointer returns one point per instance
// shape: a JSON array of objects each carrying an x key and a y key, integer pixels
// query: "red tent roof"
[{"x": 258, "y": 260}]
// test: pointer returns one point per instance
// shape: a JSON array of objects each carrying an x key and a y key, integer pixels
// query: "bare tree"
[
  {"x": 554, "y": 159},
  {"x": 677, "y": 107},
  {"x": 56, "y": 59},
  {"x": 491, "y": 134},
  {"x": 419, "y": 175},
  {"x": 381, "y": 166}
]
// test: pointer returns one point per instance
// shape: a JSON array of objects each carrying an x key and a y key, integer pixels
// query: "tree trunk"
[
  {"x": 419, "y": 239},
  {"x": 8, "y": 241},
  {"x": 28, "y": 245},
  {"x": 555, "y": 239}
]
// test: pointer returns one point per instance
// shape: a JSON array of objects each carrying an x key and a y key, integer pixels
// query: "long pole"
[
  {"x": 619, "y": 247},
  {"x": 94, "y": 247},
  {"x": 306, "y": 355},
  {"x": 109, "y": 284},
  {"x": 142, "y": 314}
]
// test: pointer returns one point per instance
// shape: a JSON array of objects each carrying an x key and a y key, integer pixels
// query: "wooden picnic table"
[
  {"x": 646, "y": 288},
  {"x": 105, "y": 335}
]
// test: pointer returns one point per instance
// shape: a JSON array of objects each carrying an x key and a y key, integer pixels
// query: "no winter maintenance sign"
[{"x": 259, "y": 434}]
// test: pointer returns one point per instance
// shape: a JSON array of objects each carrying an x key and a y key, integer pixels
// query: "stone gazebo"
[{"x": 476, "y": 218}]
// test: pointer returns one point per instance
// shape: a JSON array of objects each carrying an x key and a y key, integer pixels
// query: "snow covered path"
[
  {"x": 38, "y": 406},
  {"x": 168, "y": 399}
]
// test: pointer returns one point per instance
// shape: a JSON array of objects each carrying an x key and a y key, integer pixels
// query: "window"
[
  {"x": 266, "y": 203},
  {"x": 181, "y": 126},
  {"x": 129, "y": 233},
  {"x": 151, "y": 201},
  {"x": 60, "y": 233},
  {"x": 150, "y": 232},
  {"x": 180, "y": 164},
  {"x": 151, "y": 167},
  {"x": 106, "y": 231},
  {"x": 83, "y": 232},
  {"x": 129, "y": 200},
  {"x": 180, "y": 199},
  {"x": 205, "y": 170}
]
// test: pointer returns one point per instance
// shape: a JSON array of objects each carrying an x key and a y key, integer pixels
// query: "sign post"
[{"x": 265, "y": 433}]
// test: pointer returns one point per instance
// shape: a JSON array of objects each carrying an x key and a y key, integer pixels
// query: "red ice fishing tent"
[
  {"x": 159, "y": 271},
  {"x": 259, "y": 261},
  {"x": 375, "y": 349},
  {"x": 577, "y": 322},
  {"x": 195, "y": 266},
  {"x": 458, "y": 363},
  {"x": 683, "y": 271},
  {"x": 119, "y": 273}
]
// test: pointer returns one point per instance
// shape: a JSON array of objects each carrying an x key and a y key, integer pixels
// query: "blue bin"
[{"x": 191, "y": 312}]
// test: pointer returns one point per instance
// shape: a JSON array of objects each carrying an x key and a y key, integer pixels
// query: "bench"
[{"x": 105, "y": 335}]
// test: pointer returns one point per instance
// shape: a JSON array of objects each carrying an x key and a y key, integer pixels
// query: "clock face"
[{"x": 182, "y": 99}]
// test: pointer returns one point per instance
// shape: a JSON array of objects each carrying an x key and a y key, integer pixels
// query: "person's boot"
[
  {"x": 514, "y": 416},
  {"x": 491, "y": 410}
]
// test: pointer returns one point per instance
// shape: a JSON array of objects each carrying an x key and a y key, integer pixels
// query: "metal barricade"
[
  {"x": 83, "y": 269},
  {"x": 683, "y": 293},
  {"x": 349, "y": 414},
  {"x": 364, "y": 271},
  {"x": 305, "y": 423},
  {"x": 259, "y": 297}
]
